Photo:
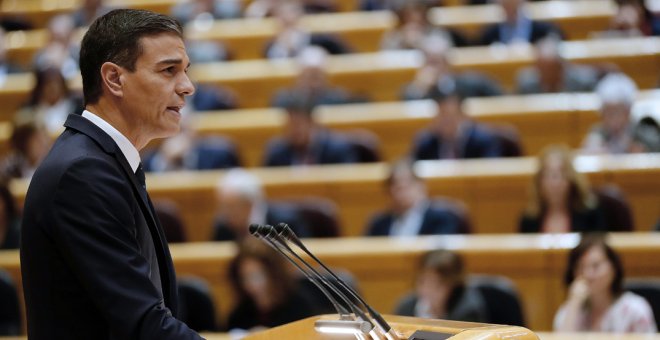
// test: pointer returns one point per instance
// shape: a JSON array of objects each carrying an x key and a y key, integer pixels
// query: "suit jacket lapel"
[{"x": 106, "y": 142}]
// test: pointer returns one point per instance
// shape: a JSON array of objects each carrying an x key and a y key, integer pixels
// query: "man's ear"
[{"x": 111, "y": 77}]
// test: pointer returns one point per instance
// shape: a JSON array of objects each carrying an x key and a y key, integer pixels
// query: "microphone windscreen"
[{"x": 254, "y": 229}]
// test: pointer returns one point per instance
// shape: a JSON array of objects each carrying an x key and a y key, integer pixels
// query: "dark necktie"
[{"x": 141, "y": 177}]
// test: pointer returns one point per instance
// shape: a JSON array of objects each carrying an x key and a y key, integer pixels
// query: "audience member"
[
  {"x": 442, "y": 292},
  {"x": 411, "y": 212},
  {"x": 305, "y": 142},
  {"x": 6, "y": 67},
  {"x": 265, "y": 289},
  {"x": 88, "y": 11},
  {"x": 452, "y": 134},
  {"x": 50, "y": 101},
  {"x": 189, "y": 11},
  {"x": 291, "y": 38},
  {"x": 61, "y": 51},
  {"x": 560, "y": 199},
  {"x": 437, "y": 72},
  {"x": 242, "y": 202},
  {"x": 413, "y": 26},
  {"x": 188, "y": 151},
  {"x": 212, "y": 98},
  {"x": 551, "y": 73},
  {"x": 617, "y": 133},
  {"x": 29, "y": 143},
  {"x": 260, "y": 9},
  {"x": 517, "y": 26},
  {"x": 633, "y": 18},
  {"x": 596, "y": 300},
  {"x": 10, "y": 224},
  {"x": 312, "y": 82}
]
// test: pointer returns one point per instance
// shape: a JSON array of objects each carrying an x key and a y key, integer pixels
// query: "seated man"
[
  {"x": 312, "y": 82},
  {"x": 242, "y": 202},
  {"x": 291, "y": 38},
  {"x": 411, "y": 212},
  {"x": 187, "y": 151},
  {"x": 616, "y": 133},
  {"x": 453, "y": 135},
  {"x": 551, "y": 73},
  {"x": 437, "y": 71},
  {"x": 517, "y": 26},
  {"x": 307, "y": 143}
]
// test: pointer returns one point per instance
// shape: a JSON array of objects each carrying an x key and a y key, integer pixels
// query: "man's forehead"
[{"x": 162, "y": 47}]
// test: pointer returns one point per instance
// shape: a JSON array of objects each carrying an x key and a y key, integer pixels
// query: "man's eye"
[{"x": 170, "y": 70}]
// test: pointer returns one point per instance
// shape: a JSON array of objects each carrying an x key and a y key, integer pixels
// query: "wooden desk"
[
  {"x": 39, "y": 12},
  {"x": 380, "y": 76},
  {"x": 534, "y": 262},
  {"x": 540, "y": 120},
  {"x": 247, "y": 38},
  {"x": 495, "y": 190},
  {"x": 577, "y": 19}
]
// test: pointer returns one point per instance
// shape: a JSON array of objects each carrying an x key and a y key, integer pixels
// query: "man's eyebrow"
[{"x": 174, "y": 61}]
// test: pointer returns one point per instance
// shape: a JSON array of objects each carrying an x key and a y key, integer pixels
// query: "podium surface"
[{"x": 405, "y": 326}]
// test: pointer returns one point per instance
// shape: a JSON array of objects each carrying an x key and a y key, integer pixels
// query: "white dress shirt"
[{"x": 127, "y": 148}]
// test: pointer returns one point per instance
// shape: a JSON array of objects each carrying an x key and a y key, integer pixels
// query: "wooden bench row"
[
  {"x": 494, "y": 190},
  {"x": 246, "y": 38},
  {"x": 385, "y": 268},
  {"x": 380, "y": 76}
]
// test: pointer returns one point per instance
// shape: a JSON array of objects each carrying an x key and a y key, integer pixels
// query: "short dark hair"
[
  {"x": 444, "y": 91},
  {"x": 302, "y": 105},
  {"x": 589, "y": 241},
  {"x": 115, "y": 37}
]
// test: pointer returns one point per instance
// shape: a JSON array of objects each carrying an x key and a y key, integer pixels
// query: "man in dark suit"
[
  {"x": 94, "y": 259},
  {"x": 243, "y": 202},
  {"x": 307, "y": 143},
  {"x": 411, "y": 212},
  {"x": 453, "y": 135},
  {"x": 438, "y": 71},
  {"x": 517, "y": 26}
]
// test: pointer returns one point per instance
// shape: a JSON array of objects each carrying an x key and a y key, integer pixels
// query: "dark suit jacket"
[
  {"x": 466, "y": 304},
  {"x": 467, "y": 84},
  {"x": 478, "y": 143},
  {"x": 328, "y": 148},
  {"x": 437, "y": 220},
  {"x": 539, "y": 30},
  {"x": 590, "y": 220},
  {"x": 275, "y": 214},
  {"x": 94, "y": 260}
]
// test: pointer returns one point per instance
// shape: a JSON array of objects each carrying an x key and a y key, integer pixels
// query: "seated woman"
[
  {"x": 10, "y": 223},
  {"x": 560, "y": 199},
  {"x": 441, "y": 292},
  {"x": 596, "y": 301},
  {"x": 265, "y": 290}
]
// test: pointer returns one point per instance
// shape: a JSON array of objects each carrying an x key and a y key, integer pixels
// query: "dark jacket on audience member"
[
  {"x": 467, "y": 305},
  {"x": 467, "y": 84},
  {"x": 478, "y": 142},
  {"x": 245, "y": 315},
  {"x": 436, "y": 220},
  {"x": 581, "y": 221},
  {"x": 575, "y": 79},
  {"x": 327, "y": 148},
  {"x": 12, "y": 235},
  {"x": 206, "y": 155},
  {"x": 539, "y": 30},
  {"x": 275, "y": 214}
]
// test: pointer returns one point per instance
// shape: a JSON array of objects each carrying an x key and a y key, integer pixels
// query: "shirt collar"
[{"x": 127, "y": 148}]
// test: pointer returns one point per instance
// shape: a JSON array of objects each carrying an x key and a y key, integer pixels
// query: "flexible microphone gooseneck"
[
  {"x": 269, "y": 235},
  {"x": 285, "y": 232}
]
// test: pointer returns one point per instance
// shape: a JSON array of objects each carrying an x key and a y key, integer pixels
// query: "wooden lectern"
[{"x": 405, "y": 326}]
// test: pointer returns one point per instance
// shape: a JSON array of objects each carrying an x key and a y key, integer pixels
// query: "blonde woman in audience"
[
  {"x": 560, "y": 199},
  {"x": 442, "y": 293},
  {"x": 596, "y": 300}
]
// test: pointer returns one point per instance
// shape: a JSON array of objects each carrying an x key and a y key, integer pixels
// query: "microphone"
[
  {"x": 285, "y": 232},
  {"x": 269, "y": 235}
]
